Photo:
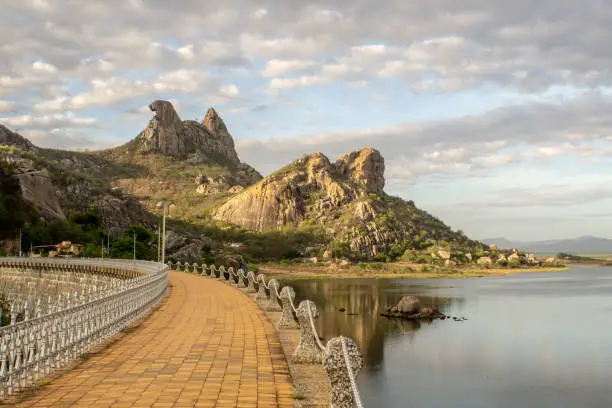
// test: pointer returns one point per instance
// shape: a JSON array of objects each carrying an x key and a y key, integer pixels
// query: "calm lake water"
[{"x": 531, "y": 340}]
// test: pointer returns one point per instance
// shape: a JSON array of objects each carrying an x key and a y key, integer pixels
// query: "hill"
[
  {"x": 580, "y": 245},
  {"x": 219, "y": 205},
  {"x": 345, "y": 201}
]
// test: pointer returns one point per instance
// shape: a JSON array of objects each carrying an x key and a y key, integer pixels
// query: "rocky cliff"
[
  {"x": 345, "y": 199},
  {"x": 192, "y": 165},
  {"x": 167, "y": 134}
]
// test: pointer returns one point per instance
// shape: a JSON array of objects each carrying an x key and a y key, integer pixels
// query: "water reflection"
[
  {"x": 363, "y": 301},
  {"x": 530, "y": 340}
]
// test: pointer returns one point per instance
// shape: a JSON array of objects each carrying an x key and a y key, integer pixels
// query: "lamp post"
[
  {"x": 163, "y": 250},
  {"x": 134, "y": 250}
]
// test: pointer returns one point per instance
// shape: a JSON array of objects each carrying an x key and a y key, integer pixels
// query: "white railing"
[
  {"x": 54, "y": 331},
  {"x": 340, "y": 356}
]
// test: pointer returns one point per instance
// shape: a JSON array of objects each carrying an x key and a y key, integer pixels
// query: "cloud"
[
  {"x": 47, "y": 122},
  {"x": 548, "y": 195},
  {"x": 278, "y": 67},
  {"x": 229, "y": 90},
  {"x": 8, "y": 107},
  {"x": 460, "y": 146}
]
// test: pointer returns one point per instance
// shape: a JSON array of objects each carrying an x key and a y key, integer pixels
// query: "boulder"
[
  {"x": 407, "y": 305},
  {"x": 514, "y": 257},
  {"x": 446, "y": 255},
  {"x": 485, "y": 260}
]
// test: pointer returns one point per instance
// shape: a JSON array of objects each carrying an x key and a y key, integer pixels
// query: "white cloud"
[
  {"x": 260, "y": 13},
  {"x": 47, "y": 121},
  {"x": 278, "y": 67},
  {"x": 44, "y": 67},
  {"x": 229, "y": 90},
  {"x": 181, "y": 81},
  {"x": 186, "y": 52},
  {"x": 8, "y": 107}
]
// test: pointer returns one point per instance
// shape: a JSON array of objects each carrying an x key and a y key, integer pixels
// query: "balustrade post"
[
  {"x": 251, "y": 280},
  {"x": 342, "y": 362},
  {"x": 287, "y": 321},
  {"x": 262, "y": 296},
  {"x": 308, "y": 350},
  {"x": 231, "y": 276},
  {"x": 273, "y": 305},
  {"x": 241, "y": 283},
  {"x": 221, "y": 273}
]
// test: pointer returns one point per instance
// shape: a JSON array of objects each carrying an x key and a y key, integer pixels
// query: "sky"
[{"x": 493, "y": 115}]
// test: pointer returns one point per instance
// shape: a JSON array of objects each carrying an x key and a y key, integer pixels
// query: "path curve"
[{"x": 208, "y": 345}]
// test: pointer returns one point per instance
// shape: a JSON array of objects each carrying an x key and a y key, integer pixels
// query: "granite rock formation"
[
  {"x": 167, "y": 134},
  {"x": 345, "y": 199}
]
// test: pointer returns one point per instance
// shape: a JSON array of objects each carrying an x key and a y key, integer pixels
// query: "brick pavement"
[{"x": 208, "y": 345}]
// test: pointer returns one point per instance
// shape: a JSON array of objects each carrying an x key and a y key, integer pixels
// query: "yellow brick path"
[{"x": 209, "y": 345}]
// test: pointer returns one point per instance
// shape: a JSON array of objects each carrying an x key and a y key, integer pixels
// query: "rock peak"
[
  {"x": 213, "y": 122},
  {"x": 10, "y": 138},
  {"x": 366, "y": 166},
  {"x": 166, "y": 133}
]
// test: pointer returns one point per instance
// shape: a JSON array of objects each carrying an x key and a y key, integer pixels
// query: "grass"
[{"x": 394, "y": 270}]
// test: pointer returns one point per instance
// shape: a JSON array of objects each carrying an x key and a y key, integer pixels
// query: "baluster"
[
  {"x": 287, "y": 320},
  {"x": 241, "y": 284},
  {"x": 262, "y": 296},
  {"x": 4, "y": 367},
  {"x": 342, "y": 362},
  {"x": 273, "y": 305},
  {"x": 251, "y": 280},
  {"x": 32, "y": 346},
  {"x": 307, "y": 350},
  {"x": 18, "y": 367}
]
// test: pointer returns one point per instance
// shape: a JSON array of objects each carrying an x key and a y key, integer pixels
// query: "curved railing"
[
  {"x": 48, "y": 333},
  {"x": 340, "y": 356}
]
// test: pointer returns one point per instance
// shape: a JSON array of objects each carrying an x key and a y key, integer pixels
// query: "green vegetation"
[
  {"x": 15, "y": 212},
  {"x": 256, "y": 247}
]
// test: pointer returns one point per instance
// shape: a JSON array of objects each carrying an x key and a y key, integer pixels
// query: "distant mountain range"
[{"x": 580, "y": 245}]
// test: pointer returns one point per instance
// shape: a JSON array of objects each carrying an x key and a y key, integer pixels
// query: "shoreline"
[{"x": 345, "y": 273}]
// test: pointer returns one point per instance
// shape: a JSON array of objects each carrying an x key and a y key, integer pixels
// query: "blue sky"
[{"x": 493, "y": 115}]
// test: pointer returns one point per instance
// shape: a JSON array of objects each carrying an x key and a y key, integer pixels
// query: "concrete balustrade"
[
  {"x": 48, "y": 333},
  {"x": 340, "y": 357}
]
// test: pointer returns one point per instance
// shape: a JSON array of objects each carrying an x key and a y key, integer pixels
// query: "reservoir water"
[{"x": 531, "y": 340}]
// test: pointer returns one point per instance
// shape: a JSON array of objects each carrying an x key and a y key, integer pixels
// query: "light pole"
[
  {"x": 134, "y": 250},
  {"x": 163, "y": 250},
  {"x": 20, "y": 251},
  {"x": 158, "y": 242}
]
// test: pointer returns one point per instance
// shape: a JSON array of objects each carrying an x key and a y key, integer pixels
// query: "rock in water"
[{"x": 407, "y": 305}]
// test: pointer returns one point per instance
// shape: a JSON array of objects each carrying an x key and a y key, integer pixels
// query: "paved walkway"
[{"x": 209, "y": 345}]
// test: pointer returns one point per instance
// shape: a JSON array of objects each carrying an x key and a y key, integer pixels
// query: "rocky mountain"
[
  {"x": 580, "y": 245},
  {"x": 57, "y": 188},
  {"x": 337, "y": 209},
  {"x": 345, "y": 199},
  {"x": 189, "y": 164},
  {"x": 192, "y": 165}
]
